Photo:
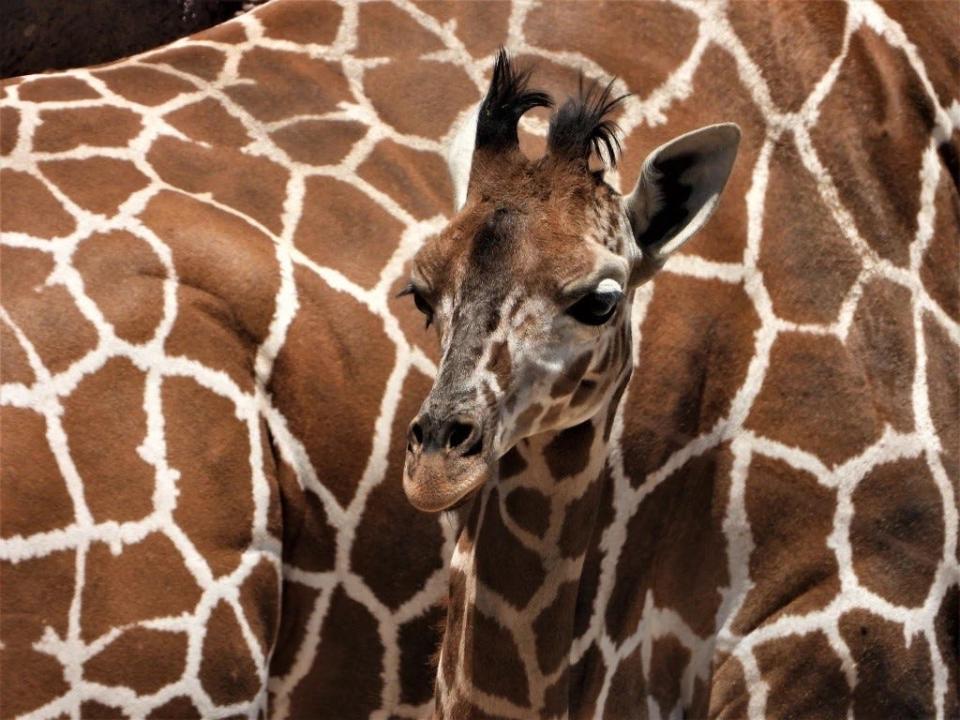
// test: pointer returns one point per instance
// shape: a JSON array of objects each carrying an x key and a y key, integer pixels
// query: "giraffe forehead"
[{"x": 492, "y": 249}]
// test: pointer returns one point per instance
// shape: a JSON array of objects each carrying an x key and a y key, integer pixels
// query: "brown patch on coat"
[
  {"x": 161, "y": 659},
  {"x": 419, "y": 639},
  {"x": 386, "y": 31},
  {"x": 208, "y": 121},
  {"x": 815, "y": 397},
  {"x": 527, "y": 418},
  {"x": 227, "y": 672},
  {"x": 942, "y": 257},
  {"x": 230, "y": 33},
  {"x": 33, "y": 492},
  {"x": 123, "y": 276},
  {"x": 180, "y": 707},
  {"x": 586, "y": 681},
  {"x": 503, "y": 563},
  {"x": 879, "y": 122},
  {"x": 280, "y": 79},
  {"x": 9, "y": 129},
  {"x": 571, "y": 376},
  {"x": 94, "y": 710},
  {"x": 718, "y": 95},
  {"x": 568, "y": 453},
  {"x": 897, "y": 531},
  {"x": 105, "y": 411},
  {"x": 61, "y": 130},
  {"x": 698, "y": 339},
  {"x": 511, "y": 464},
  {"x": 28, "y": 207},
  {"x": 418, "y": 180},
  {"x": 492, "y": 660},
  {"x": 590, "y": 572},
  {"x": 419, "y": 97},
  {"x": 481, "y": 25},
  {"x": 668, "y": 660},
  {"x": 309, "y": 393},
  {"x": 556, "y": 698},
  {"x": 500, "y": 364},
  {"x": 894, "y": 679},
  {"x": 318, "y": 142},
  {"x": 934, "y": 39},
  {"x": 198, "y": 60},
  {"x": 309, "y": 540},
  {"x": 254, "y": 186},
  {"x": 347, "y": 670},
  {"x": 578, "y": 519},
  {"x": 793, "y": 44},
  {"x": 729, "y": 696},
  {"x": 793, "y": 570},
  {"x": 56, "y": 88},
  {"x": 943, "y": 371},
  {"x": 882, "y": 337},
  {"x": 530, "y": 509},
  {"x": 222, "y": 316},
  {"x": 260, "y": 602},
  {"x": 144, "y": 85},
  {"x": 808, "y": 265},
  {"x": 344, "y": 229},
  {"x": 97, "y": 184},
  {"x": 627, "y": 697},
  {"x": 46, "y": 314},
  {"x": 390, "y": 569},
  {"x": 36, "y": 595},
  {"x": 552, "y": 628},
  {"x": 147, "y": 580},
  {"x": 297, "y": 605},
  {"x": 313, "y": 22},
  {"x": 804, "y": 676},
  {"x": 666, "y": 35},
  {"x": 947, "y": 628},
  {"x": 209, "y": 446},
  {"x": 14, "y": 363},
  {"x": 676, "y": 548}
]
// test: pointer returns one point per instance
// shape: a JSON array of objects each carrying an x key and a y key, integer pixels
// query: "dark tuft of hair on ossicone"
[
  {"x": 506, "y": 101},
  {"x": 581, "y": 126}
]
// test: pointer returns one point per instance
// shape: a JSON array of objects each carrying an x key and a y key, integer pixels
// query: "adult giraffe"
[{"x": 200, "y": 251}]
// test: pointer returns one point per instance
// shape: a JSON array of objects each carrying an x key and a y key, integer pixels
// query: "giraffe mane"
[{"x": 580, "y": 126}]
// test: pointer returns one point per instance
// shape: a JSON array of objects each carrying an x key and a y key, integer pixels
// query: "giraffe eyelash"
[{"x": 418, "y": 300}]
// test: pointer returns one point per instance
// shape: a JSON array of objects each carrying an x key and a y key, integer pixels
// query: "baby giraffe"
[{"x": 530, "y": 288}]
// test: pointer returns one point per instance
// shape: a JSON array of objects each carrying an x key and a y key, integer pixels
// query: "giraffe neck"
[{"x": 515, "y": 576}]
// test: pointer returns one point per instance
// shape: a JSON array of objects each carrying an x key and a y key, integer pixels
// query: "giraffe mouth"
[{"x": 435, "y": 481}]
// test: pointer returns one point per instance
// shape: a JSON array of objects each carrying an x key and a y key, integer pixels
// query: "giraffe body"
[{"x": 202, "y": 248}]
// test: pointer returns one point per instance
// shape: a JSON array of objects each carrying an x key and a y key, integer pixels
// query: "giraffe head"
[{"x": 530, "y": 285}]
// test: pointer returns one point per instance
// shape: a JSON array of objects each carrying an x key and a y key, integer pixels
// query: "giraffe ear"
[
  {"x": 460, "y": 155},
  {"x": 678, "y": 189}
]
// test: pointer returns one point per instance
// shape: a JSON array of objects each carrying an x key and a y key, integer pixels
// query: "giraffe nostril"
[
  {"x": 475, "y": 448},
  {"x": 415, "y": 436},
  {"x": 459, "y": 434}
]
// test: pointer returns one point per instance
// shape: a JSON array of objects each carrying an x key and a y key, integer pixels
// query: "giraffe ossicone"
[{"x": 530, "y": 287}]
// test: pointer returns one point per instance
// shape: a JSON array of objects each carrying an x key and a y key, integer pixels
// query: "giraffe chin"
[{"x": 434, "y": 482}]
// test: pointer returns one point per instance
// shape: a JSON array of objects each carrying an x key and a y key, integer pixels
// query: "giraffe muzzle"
[{"x": 445, "y": 461}]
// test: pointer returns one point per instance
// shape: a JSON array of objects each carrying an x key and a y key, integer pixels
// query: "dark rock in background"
[{"x": 38, "y": 35}]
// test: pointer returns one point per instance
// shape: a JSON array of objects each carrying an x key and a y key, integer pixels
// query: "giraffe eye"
[
  {"x": 597, "y": 306},
  {"x": 420, "y": 301}
]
